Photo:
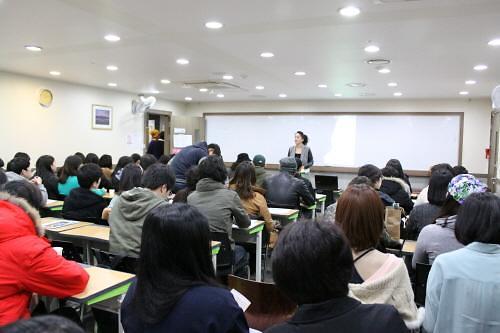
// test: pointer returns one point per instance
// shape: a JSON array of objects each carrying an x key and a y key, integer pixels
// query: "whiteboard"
[{"x": 342, "y": 140}]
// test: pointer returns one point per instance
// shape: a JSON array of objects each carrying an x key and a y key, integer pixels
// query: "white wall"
[
  {"x": 476, "y": 117},
  {"x": 65, "y": 127}
]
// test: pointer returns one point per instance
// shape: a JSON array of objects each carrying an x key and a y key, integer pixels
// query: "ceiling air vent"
[
  {"x": 211, "y": 85},
  {"x": 378, "y": 62}
]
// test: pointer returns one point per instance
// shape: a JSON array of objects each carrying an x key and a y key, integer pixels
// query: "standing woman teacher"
[{"x": 301, "y": 150}]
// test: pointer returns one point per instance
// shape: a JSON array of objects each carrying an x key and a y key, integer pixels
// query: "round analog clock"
[{"x": 46, "y": 98}]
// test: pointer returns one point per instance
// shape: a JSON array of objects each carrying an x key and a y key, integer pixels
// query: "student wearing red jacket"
[{"x": 28, "y": 264}]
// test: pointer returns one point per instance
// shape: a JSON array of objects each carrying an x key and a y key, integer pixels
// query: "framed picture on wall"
[{"x": 102, "y": 117}]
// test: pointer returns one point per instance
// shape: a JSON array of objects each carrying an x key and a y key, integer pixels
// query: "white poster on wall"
[{"x": 181, "y": 140}]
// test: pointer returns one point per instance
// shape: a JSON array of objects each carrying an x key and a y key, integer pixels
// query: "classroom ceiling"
[{"x": 433, "y": 46}]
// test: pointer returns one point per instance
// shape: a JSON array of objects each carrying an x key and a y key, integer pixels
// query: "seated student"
[
  {"x": 68, "y": 179},
  {"x": 422, "y": 196},
  {"x": 251, "y": 197},
  {"x": 192, "y": 178},
  {"x": 377, "y": 277},
  {"x": 79, "y": 154},
  {"x": 396, "y": 188},
  {"x": 463, "y": 287},
  {"x": 396, "y": 165},
  {"x": 131, "y": 177},
  {"x": 331, "y": 210},
  {"x": 320, "y": 286},
  {"x": 147, "y": 160},
  {"x": 283, "y": 190},
  {"x": 3, "y": 177},
  {"x": 83, "y": 203},
  {"x": 106, "y": 164},
  {"x": 19, "y": 169},
  {"x": 305, "y": 180},
  {"x": 136, "y": 158},
  {"x": 164, "y": 159},
  {"x": 214, "y": 149},
  {"x": 43, "y": 324},
  {"x": 185, "y": 159},
  {"x": 24, "y": 155},
  {"x": 425, "y": 214},
  {"x": 439, "y": 236},
  {"x": 46, "y": 169},
  {"x": 375, "y": 175},
  {"x": 117, "y": 172},
  {"x": 460, "y": 170},
  {"x": 91, "y": 158},
  {"x": 242, "y": 157},
  {"x": 260, "y": 172},
  {"x": 220, "y": 206},
  {"x": 176, "y": 290},
  {"x": 1, "y": 164},
  {"x": 131, "y": 208},
  {"x": 27, "y": 262}
]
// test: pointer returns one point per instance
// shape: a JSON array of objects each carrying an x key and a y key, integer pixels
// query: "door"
[
  {"x": 494, "y": 162},
  {"x": 161, "y": 121}
]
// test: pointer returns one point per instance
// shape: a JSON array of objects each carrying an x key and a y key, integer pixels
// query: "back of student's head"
[
  {"x": 22, "y": 155},
  {"x": 192, "y": 177},
  {"x": 89, "y": 174},
  {"x": 371, "y": 172},
  {"x": 164, "y": 159},
  {"x": 123, "y": 161},
  {"x": 1, "y": 163},
  {"x": 135, "y": 157},
  {"x": 214, "y": 149},
  {"x": 91, "y": 158},
  {"x": 244, "y": 178},
  {"x": 158, "y": 175},
  {"x": 312, "y": 262},
  {"x": 478, "y": 219},
  {"x": 43, "y": 324},
  {"x": 26, "y": 190},
  {"x": 213, "y": 167},
  {"x": 438, "y": 186},
  {"x": 390, "y": 172},
  {"x": 18, "y": 164},
  {"x": 396, "y": 164},
  {"x": 106, "y": 161},
  {"x": 131, "y": 177},
  {"x": 360, "y": 180},
  {"x": 459, "y": 170},
  {"x": 440, "y": 166},
  {"x": 147, "y": 160},
  {"x": 175, "y": 256},
  {"x": 459, "y": 189},
  {"x": 3, "y": 178},
  {"x": 70, "y": 168},
  {"x": 44, "y": 165},
  {"x": 79, "y": 154},
  {"x": 360, "y": 214}
]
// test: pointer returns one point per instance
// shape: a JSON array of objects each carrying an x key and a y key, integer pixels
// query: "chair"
[
  {"x": 269, "y": 306},
  {"x": 70, "y": 251},
  {"x": 225, "y": 255},
  {"x": 421, "y": 275},
  {"x": 115, "y": 261}
]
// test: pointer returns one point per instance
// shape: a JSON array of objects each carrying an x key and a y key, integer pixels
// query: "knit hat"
[
  {"x": 243, "y": 157},
  {"x": 259, "y": 160},
  {"x": 288, "y": 164},
  {"x": 462, "y": 186}
]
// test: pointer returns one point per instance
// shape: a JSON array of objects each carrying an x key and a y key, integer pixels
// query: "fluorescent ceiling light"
[
  {"x": 322, "y": 86},
  {"x": 392, "y": 84},
  {"x": 55, "y": 73},
  {"x": 267, "y": 54},
  {"x": 282, "y": 95},
  {"x": 349, "y": 11},
  {"x": 299, "y": 73},
  {"x": 220, "y": 95},
  {"x": 188, "y": 99},
  {"x": 384, "y": 71},
  {"x": 398, "y": 94},
  {"x": 203, "y": 89},
  {"x": 464, "y": 93},
  {"x": 227, "y": 77},
  {"x": 470, "y": 82},
  {"x": 33, "y": 48},
  {"x": 372, "y": 49},
  {"x": 165, "y": 81},
  {"x": 259, "y": 87},
  {"x": 480, "y": 67},
  {"x": 182, "y": 61},
  {"x": 112, "y": 84},
  {"x": 112, "y": 38},
  {"x": 155, "y": 91},
  {"x": 494, "y": 42},
  {"x": 112, "y": 68},
  {"x": 214, "y": 25},
  {"x": 338, "y": 95}
]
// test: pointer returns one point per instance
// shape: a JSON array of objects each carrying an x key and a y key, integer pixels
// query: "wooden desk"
[
  {"x": 108, "y": 195},
  {"x": 321, "y": 199},
  {"x": 409, "y": 247},
  {"x": 288, "y": 214},
  {"x": 251, "y": 234},
  {"x": 51, "y": 204},
  {"x": 49, "y": 223}
]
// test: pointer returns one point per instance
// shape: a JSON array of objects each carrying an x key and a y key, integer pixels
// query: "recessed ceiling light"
[
  {"x": 464, "y": 93},
  {"x": 356, "y": 84},
  {"x": 33, "y": 48},
  {"x": 112, "y": 68},
  {"x": 203, "y": 89},
  {"x": 220, "y": 95},
  {"x": 494, "y": 42},
  {"x": 372, "y": 48},
  {"x": 259, "y": 87},
  {"x": 349, "y": 11},
  {"x": 300, "y": 73},
  {"x": 398, "y": 94},
  {"x": 322, "y": 86},
  {"x": 338, "y": 95},
  {"x": 155, "y": 91},
  {"x": 384, "y": 70},
  {"x": 214, "y": 25},
  {"x": 227, "y": 77},
  {"x": 480, "y": 68},
  {"x": 282, "y": 95},
  {"x": 165, "y": 81},
  {"x": 267, "y": 54},
  {"x": 112, "y": 38},
  {"x": 182, "y": 61},
  {"x": 55, "y": 73},
  {"x": 470, "y": 82},
  {"x": 188, "y": 99},
  {"x": 392, "y": 84},
  {"x": 112, "y": 84}
]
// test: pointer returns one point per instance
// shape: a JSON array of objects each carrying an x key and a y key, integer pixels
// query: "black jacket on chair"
[
  {"x": 343, "y": 315},
  {"x": 285, "y": 191},
  {"x": 84, "y": 205}
]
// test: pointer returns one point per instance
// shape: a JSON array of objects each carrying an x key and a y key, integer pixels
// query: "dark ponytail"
[{"x": 304, "y": 137}]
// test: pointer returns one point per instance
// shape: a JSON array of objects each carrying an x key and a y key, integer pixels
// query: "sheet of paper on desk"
[
  {"x": 242, "y": 301},
  {"x": 50, "y": 201},
  {"x": 59, "y": 224}
]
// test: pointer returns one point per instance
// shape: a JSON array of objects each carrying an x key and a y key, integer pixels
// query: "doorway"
[{"x": 155, "y": 119}]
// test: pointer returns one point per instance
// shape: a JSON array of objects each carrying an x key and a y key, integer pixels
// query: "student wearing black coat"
[
  {"x": 46, "y": 169},
  {"x": 82, "y": 203},
  {"x": 396, "y": 188}
]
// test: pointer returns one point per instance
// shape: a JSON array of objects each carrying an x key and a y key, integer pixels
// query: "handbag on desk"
[{"x": 392, "y": 221}]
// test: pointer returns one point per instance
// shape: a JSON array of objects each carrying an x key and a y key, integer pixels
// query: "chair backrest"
[
  {"x": 225, "y": 255},
  {"x": 115, "y": 261},
  {"x": 421, "y": 275},
  {"x": 269, "y": 306},
  {"x": 70, "y": 251}
]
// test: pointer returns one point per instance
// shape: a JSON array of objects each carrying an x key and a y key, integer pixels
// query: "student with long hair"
[
  {"x": 68, "y": 179},
  {"x": 117, "y": 172},
  {"x": 176, "y": 290},
  {"x": 46, "y": 169}
]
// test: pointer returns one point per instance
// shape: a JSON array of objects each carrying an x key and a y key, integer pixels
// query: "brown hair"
[
  {"x": 360, "y": 214},
  {"x": 243, "y": 180}
]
